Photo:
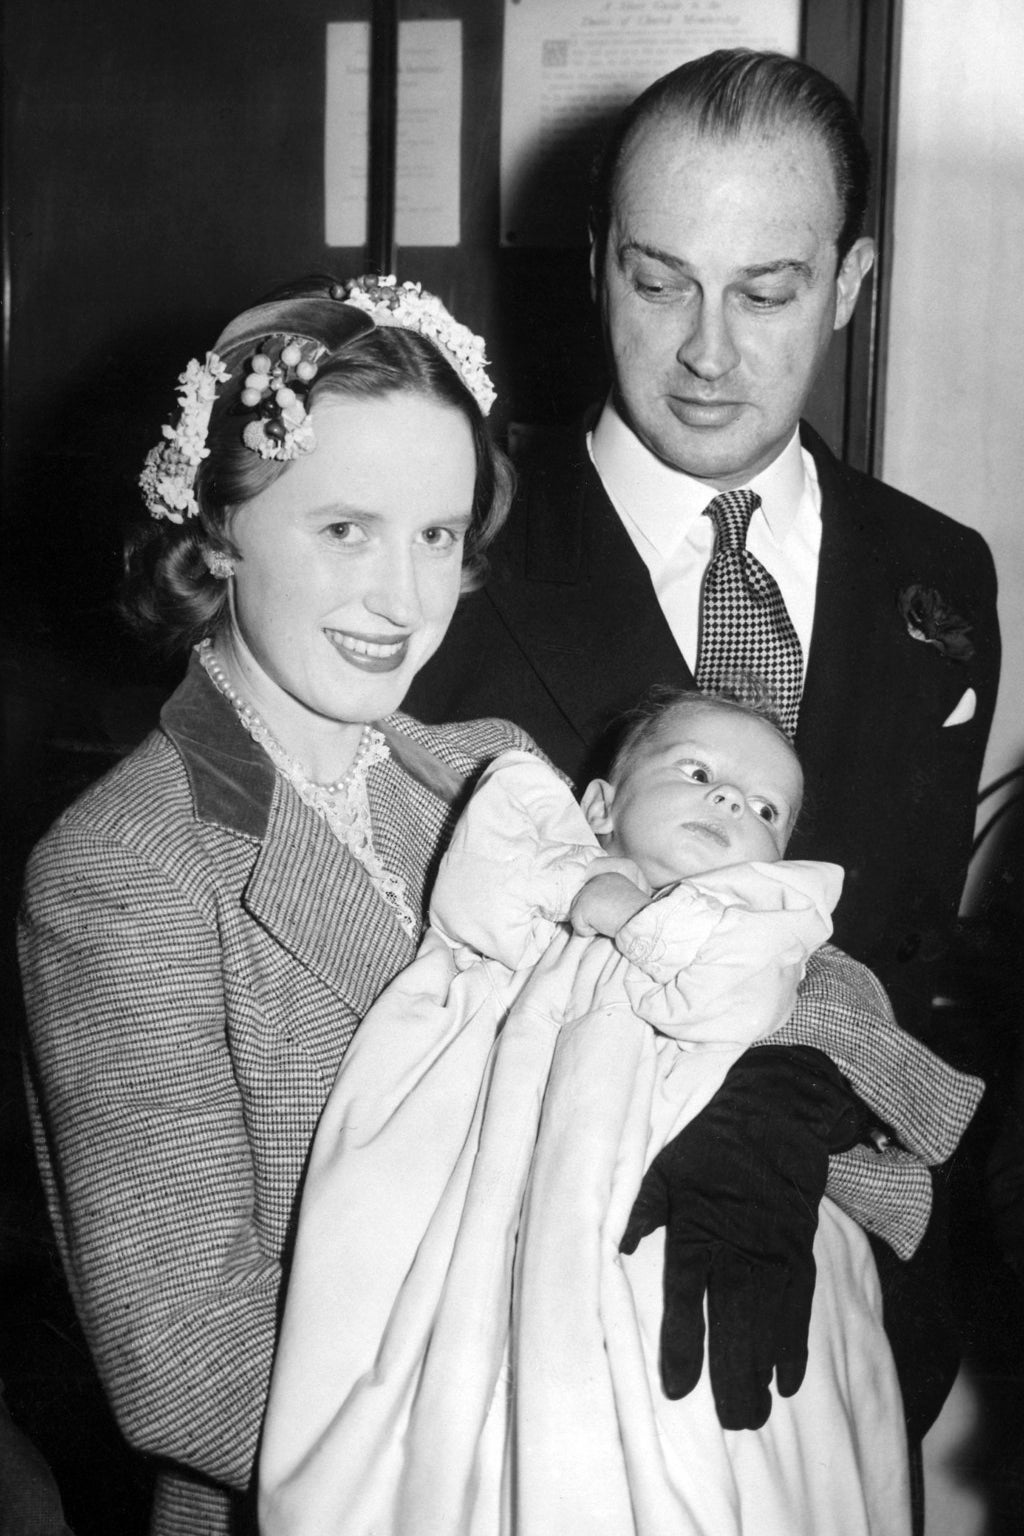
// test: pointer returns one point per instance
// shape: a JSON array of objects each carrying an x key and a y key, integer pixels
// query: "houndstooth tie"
[{"x": 748, "y": 645}]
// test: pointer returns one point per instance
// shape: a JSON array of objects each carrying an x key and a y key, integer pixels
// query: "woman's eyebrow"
[{"x": 340, "y": 512}]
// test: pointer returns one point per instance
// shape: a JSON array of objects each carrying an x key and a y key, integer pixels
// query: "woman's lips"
[{"x": 368, "y": 654}]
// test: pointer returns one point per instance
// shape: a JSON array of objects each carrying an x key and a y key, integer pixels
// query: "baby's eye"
[
  {"x": 764, "y": 809},
  {"x": 697, "y": 772}
]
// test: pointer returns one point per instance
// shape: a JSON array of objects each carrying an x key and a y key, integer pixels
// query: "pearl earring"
[{"x": 219, "y": 564}]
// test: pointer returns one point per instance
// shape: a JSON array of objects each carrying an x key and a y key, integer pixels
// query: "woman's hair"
[
  {"x": 170, "y": 594},
  {"x": 641, "y": 726}
]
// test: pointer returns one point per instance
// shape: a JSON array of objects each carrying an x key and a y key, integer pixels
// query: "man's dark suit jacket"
[{"x": 568, "y": 633}]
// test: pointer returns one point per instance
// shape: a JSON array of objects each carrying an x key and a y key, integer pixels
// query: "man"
[{"x": 726, "y": 249}]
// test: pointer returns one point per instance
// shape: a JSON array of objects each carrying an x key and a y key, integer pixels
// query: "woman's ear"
[{"x": 596, "y": 805}]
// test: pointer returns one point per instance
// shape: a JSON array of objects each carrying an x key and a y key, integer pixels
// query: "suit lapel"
[
  {"x": 305, "y": 889},
  {"x": 844, "y": 657},
  {"x": 320, "y": 905},
  {"x": 857, "y": 698},
  {"x": 861, "y": 665},
  {"x": 580, "y": 600}
]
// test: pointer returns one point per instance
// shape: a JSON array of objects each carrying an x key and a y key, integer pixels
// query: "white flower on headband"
[
  {"x": 169, "y": 475},
  {"x": 408, "y": 306}
]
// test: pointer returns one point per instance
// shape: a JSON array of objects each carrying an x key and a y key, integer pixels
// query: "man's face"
[{"x": 720, "y": 293}]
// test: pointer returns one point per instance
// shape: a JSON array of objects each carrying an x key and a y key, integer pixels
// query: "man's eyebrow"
[
  {"x": 784, "y": 264},
  {"x": 629, "y": 247},
  {"x": 680, "y": 264}
]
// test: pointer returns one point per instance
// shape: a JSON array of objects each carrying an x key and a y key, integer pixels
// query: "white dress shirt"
[{"x": 661, "y": 509}]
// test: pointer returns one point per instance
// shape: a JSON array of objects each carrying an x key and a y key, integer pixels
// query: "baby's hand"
[{"x": 613, "y": 893}]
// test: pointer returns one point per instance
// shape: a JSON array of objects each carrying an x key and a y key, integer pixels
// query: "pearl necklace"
[
  {"x": 344, "y": 805},
  {"x": 255, "y": 723}
]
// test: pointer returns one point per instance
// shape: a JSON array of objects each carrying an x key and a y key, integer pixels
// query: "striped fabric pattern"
[
  {"x": 842, "y": 1010},
  {"x": 190, "y": 990}
]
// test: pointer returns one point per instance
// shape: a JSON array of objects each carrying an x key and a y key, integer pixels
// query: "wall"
[{"x": 954, "y": 420}]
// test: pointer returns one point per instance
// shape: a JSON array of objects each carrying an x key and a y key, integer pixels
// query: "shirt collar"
[{"x": 664, "y": 503}]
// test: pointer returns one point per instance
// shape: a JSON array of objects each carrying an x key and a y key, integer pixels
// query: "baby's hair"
[{"x": 640, "y": 725}]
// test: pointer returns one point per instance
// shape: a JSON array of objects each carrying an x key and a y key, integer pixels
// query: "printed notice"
[
  {"x": 570, "y": 65},
  {"x": 429, "y": 123}
]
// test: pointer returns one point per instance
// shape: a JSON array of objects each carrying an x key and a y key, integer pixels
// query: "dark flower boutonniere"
[{"x": 928, "y": 617}]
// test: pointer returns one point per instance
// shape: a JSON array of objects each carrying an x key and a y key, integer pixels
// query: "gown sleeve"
[{"x": 517, "y": 858}]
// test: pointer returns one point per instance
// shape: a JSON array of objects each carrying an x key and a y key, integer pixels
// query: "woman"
[{"x": 204, "y": 929}]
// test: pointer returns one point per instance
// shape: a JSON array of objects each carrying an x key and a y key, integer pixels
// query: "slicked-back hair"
[{"x": 737, "y": 91}]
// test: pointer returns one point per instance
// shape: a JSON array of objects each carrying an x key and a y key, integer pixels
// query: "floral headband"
[{"x": 289, "y": 339}]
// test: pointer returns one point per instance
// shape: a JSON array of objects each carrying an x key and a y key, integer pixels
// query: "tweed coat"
[
  {"x": 197, "y": 951},
  {"x": 568, "y": 633}
]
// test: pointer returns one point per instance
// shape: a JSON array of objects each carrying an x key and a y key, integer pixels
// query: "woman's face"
[{"x": 350, "y": 563}]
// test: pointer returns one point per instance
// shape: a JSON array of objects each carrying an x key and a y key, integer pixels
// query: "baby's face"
[{"x": 712, "y": 788}]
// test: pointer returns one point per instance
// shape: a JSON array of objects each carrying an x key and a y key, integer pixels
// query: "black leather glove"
[{"x": 737, "y": 1192}]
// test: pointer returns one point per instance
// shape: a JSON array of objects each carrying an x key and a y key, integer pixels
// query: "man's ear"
[
  {"x": 593, "y": 264},
  {"x": 857, "y": 263},
  {"x": 596, "y": 805}
]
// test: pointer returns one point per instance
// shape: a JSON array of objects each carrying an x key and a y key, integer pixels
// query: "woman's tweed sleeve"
[{"x": 142, "y": 1141}]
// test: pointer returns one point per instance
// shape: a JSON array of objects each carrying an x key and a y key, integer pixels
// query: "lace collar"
[{"x": 343, "y": 805}]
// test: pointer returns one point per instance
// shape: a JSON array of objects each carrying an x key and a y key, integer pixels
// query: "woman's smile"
[{"x": 372, "y": 655}]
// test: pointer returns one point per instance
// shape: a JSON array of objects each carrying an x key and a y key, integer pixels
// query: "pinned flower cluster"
[
  {"x": 929, "y": 618},
  {"x": 169, "y": 475},
  {"x": 277, "y": 391},
  {"x": 407, "y": 305}
]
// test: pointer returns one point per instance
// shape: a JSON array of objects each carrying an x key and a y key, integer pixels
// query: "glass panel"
[{"x": 570, "y": 65}]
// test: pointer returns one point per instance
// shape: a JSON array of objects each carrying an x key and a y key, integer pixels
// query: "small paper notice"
[
  {"x": 427, "y": 155},
  {"x": 571, "y": 65}
]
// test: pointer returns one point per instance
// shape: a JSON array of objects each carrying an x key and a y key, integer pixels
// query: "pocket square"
[{"x": 964, "y": 711}]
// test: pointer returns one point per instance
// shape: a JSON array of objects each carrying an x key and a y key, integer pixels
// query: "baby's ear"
[{"x": 596, "y": 805}]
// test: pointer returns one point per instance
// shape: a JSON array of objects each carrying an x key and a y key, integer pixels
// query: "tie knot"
[{"x": 731, "y": 513}]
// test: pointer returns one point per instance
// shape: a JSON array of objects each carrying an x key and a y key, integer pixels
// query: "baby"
[
  {"x": 697, "y": 784},
  {"x": 464, "y": 1347}
]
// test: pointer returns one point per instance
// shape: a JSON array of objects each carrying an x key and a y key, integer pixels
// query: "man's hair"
[
  {"x": 736, "y": 91},
  {"x": 640, "y": 727}
]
